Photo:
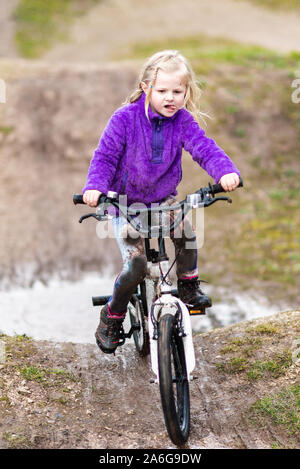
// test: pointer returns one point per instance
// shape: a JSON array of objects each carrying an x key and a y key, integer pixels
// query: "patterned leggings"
[{"x": 132, "y": 248}]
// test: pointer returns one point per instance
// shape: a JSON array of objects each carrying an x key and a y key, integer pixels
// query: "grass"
[
  {"x": 250, "y": 354},
  {"x": 37, "y": 25},
  {"x": 46, "y": 377},
  {"x": 265, "y": 329},
  {"x": 278, "y": 5},
  {"x": 236, "y": 344},
  {"x": 274, "y": 367},
  {"x": 18, "y": 347},
  {"x": 17, "y": 338},
  {"x": 282, "y": 408},
  {"x": 32, "y": 373},
  {"x": 205, "y": 53},
  {"x": 258, "y": 369},
  {"x": 6, "y": 129},
  {"x": 274, "y": 230},
  {"x": 269, "y": 236},
  {"x": 234, "y": 365},
  {"x": 16, "y": 441},
  {"x": 21, "y": 357},
  {"x": 40, "y": 23}
]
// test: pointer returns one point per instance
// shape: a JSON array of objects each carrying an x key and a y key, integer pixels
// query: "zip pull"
[{"x": 159, "y": 125}]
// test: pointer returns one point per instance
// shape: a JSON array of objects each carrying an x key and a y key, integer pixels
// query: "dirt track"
[
  {"x": 111, "y": 27},
  {"x": 103, "y": 401}
]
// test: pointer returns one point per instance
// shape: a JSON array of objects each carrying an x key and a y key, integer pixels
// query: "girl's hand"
[
  {"x": 91, "y": 197},
  {"x": 229, "y": 182}
]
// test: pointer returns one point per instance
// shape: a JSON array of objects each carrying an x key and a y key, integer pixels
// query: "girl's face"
[{"x": 168, "y": 92}]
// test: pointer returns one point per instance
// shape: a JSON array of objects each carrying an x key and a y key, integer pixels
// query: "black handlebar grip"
[
  {"x": 216, "y": 188},
  {"x": 78, "y": 199}
]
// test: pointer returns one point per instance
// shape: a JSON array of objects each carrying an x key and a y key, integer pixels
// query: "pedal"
[
  {"x": 127, "y": 335},
  {"x": 134, "y": 327}
]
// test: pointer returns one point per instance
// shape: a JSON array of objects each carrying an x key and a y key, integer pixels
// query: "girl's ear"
[{"x": 144, "y": 87}]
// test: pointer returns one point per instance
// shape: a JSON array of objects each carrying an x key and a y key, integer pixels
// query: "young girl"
[{"x": 139, "y": 155}]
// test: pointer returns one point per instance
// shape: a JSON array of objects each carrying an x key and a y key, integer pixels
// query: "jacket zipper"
[
  {"x": 157, "y": 141},
  {"x": 124, "y": 181}
]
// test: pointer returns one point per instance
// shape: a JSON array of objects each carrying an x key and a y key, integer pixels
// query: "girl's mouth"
[{"x": 170, "y": 107}]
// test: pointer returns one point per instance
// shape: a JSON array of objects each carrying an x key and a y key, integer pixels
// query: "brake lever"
[
  {"x": 215, "y": 199},
  {"x": 88, "y": 215}
]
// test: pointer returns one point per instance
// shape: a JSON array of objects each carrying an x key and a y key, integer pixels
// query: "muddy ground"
[{"x": 65, "y": 395}]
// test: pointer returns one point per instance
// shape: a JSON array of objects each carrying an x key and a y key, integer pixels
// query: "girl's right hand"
[{"x": 91, "y": 197}]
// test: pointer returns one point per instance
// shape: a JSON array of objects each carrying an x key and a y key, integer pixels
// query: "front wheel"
[{"x": 173, "y": 381}]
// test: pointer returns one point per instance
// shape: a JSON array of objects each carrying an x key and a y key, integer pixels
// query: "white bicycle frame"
[{"x": 166, "y": 303}]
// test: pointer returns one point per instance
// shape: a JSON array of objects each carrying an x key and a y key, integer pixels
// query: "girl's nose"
[{"x": 169, "y": 96}]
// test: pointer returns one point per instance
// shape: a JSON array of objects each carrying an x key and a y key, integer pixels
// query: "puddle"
[{"x": 62, "y": 310}]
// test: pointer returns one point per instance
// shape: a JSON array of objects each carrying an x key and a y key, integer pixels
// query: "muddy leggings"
[{"x": 134, "y": 270}]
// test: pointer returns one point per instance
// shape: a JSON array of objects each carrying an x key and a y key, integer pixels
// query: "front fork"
[{"x": 168, "y": 304}]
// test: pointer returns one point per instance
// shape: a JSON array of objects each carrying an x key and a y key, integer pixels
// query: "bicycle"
[{"x": 160, "y": 321}]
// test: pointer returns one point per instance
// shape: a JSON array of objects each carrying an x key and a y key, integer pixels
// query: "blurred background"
[{"x": 66, "y": 66}]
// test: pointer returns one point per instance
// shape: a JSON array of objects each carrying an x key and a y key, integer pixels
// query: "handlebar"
[{"x": 204, "y": 197}]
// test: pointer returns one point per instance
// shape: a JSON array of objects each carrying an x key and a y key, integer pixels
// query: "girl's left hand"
[{"x": 230, "y": 181}]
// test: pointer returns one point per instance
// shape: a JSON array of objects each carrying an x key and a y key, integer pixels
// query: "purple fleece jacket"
[{"x": 143, "y": 159}]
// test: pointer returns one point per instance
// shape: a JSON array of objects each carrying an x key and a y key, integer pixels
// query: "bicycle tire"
[
  {"x": 174, "y": 391},
  {"x": 141, "y": 335}
]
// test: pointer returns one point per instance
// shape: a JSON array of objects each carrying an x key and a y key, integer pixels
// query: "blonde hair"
[{"x": 169, "y": 61}]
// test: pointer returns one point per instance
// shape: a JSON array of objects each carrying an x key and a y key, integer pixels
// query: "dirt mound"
[
  {"x": 49, "y": 128},
  {"x": 64, "y": 395}
]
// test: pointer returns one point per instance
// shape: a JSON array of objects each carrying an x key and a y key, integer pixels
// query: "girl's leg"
[
  {"x": 134, "y": 270},
  {"x": 186, "y": 252},
  {"x": 185, "y": 243}
]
